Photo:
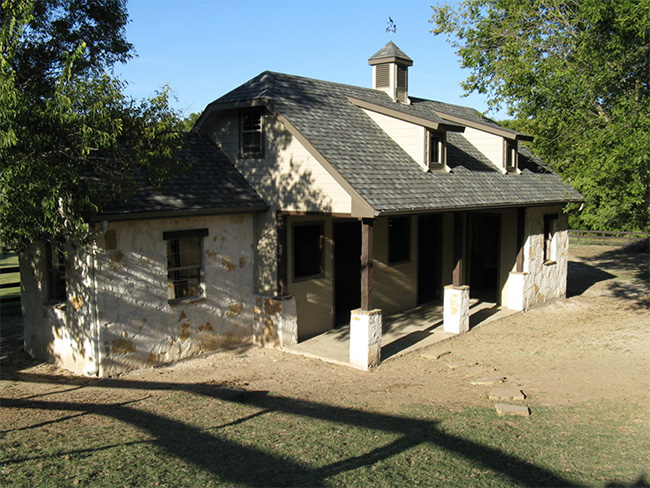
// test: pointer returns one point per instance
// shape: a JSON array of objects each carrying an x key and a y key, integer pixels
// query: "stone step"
[
  {"x": 436, "y": 355},
  {"x": 506, "y": 394},
  {"x": 490, "y": 380},
  {"x": 507, "y": 409},
  {"x": 461, "y": 364}
]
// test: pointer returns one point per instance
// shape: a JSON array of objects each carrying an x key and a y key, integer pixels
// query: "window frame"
[
  {"x": 321, "y": 251},
  {"x": 404, "y": 234},
  {"x": 57, "y": 282},
  {"x": 171, "y": 237},
  {"x": 549, "y": 238},
  {"x": 441, "y": 150},
  {"x": 510, "y": 156},
  {"x": 257, "y": 150}
]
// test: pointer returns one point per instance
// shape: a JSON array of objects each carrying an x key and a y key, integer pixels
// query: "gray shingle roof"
[
  {"x": 209, "y": 184},
  {"x": 379, "y": 170},
  {"x": 390, "y": 50}
]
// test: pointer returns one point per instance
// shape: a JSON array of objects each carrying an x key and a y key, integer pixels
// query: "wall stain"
[
  {"x": 77, "y": 302},
  {"x": 272, "y": 307},
  {"x": 116, "y": 259},
  {"x": 235, "y": 309},
  {"x": 184, "y": 331},
  {"x": 205, "y": 327},
  {"x": 228, "y": 265},
  {"x": 122, "y": 346},
  {"x": 110, "y": 240},
  {"x": 153, "y": 360}
]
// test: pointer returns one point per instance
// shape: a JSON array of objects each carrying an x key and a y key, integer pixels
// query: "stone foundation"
[
  {"x": 456, "y": 309},
  {"x": 365, "y": 338}
]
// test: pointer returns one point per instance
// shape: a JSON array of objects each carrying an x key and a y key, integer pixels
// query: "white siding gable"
[
  {"x": 489, "y": 144},
  {"x": 410, "y": 137}
]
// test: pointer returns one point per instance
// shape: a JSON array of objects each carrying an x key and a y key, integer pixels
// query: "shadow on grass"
[{"x": 235, "y": 462}]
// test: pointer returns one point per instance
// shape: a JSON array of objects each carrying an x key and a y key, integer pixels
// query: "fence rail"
[
  {"x": 10, "y": 299},
  {"x": 605, "y": 237}
]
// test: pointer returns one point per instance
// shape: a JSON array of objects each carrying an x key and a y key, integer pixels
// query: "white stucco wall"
[
  {"x": 117, "y": 316},
  {"x": 65, "y": 332}
]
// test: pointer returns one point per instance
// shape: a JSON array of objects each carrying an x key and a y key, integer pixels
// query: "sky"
[{"x": 203, "y": 49}]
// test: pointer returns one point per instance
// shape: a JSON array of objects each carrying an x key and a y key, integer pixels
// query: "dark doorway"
[
  {"x": 429, "y": 258},
  {"x": 347, "y": 270},
  {"x": 485, "y": 240}
]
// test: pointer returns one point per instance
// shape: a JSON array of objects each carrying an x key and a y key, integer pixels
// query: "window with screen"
[
  {"x": 184, "y": 263},
  {"x": 251, "y": 142}
]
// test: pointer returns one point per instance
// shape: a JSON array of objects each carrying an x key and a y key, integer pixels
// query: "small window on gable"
[
  {"x": 510, "y": 156},
  {"x": 399, "y": 240},
  {"x": 184, "y": 263},
  {"x": 436, "y": 153},
  {"x": 57, "y": 286},
  {"x": 308, "y": 241},
  {"x": 251, "y": 137},
  {"x": 550, "y": 238}
]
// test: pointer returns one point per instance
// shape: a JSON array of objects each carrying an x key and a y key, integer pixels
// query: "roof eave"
[
  {"x": 414, "y": 119},
  {"x": 166, "y": 214}
]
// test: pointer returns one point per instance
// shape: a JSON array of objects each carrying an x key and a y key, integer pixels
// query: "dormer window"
[
  {"x": 251, "y": 140},
  {"x": 510, "y": 156},
  {"x": 436, "y": 151}
]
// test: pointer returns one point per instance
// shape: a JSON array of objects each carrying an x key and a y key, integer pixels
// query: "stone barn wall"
[
  {"x": 123, "y": 309},
  {"x": 545, "y": 278}
]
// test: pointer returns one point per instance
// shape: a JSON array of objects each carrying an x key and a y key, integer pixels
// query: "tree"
[
  {"x": 190, "y": 120},
  {"x": 576, "y": 75},
  {"x": 71, "y": 141}
]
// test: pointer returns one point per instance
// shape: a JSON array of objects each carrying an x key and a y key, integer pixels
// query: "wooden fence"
[
  {"x": 605, "y": 237},
  {"x": 10, "y": 298}
]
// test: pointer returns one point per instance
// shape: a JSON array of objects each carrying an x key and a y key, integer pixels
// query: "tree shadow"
[
  {"x": 582, "y": 276},
  {"x": 231, "y": 461},
  {"x": 628, "y": 280}
]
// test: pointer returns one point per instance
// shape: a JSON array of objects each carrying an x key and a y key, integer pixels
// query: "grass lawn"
[{"x": 188, "y": 436}]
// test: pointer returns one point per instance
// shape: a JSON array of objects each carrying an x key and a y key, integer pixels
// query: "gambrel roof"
[{"x": 329, "y": 119}]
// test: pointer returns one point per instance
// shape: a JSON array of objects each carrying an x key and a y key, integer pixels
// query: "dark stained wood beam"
[
  {"x": 459, "y": 249},
  {"x": 367, "y": 238},
  {"x": 521, "y": 235},
  {"x": 282, "y": 254}
]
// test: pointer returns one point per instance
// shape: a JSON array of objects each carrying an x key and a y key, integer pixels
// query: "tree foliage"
[
  {"x": 576, "y": 75},
  {"x": 71, "y": 141}
]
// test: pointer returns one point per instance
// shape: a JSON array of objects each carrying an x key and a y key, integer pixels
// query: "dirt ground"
[{"x": 592, "y": 346}]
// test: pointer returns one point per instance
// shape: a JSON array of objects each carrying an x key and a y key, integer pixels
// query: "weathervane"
[{"x": 392, "y": 27}]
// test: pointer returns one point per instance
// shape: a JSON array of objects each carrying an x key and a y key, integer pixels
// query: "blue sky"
[{"x": 205, "y": 48}]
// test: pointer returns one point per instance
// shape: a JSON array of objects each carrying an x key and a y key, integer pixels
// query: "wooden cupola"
[{"x": 390, "y": 72}]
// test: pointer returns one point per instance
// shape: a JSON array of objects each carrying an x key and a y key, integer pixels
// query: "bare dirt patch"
[{"x": 592, "y": 346}]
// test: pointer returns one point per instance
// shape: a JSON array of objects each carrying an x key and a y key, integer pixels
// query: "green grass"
[{"x": 193, "y": 438}]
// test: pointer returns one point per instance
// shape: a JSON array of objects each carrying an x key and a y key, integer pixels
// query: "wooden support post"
[
  {"x": 521, "y": 236},
  {"x": 459, "y": 249},
  {"x": 367, "y": 234},
  {"x": 282, "y": 253}
]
